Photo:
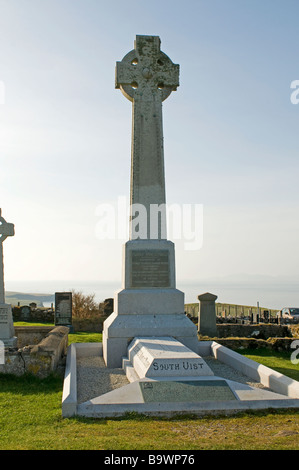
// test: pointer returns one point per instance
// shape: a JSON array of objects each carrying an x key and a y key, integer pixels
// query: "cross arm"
[
  {"x": 125, "y": 73},
  {"x": 169, "y": 76},
  {"x": 7, "y": 230}
]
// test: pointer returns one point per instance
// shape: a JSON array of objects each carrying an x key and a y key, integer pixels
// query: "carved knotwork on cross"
[{"x": 146, "y": 72}]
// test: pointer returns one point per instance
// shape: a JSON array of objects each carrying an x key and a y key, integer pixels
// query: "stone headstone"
[
  {"x": 207, "y": 315},
  {"x": 107, "y": 306},
  {"x": 7, "y": 332},
  {"x": 63, "y": 308},
  {"x": 148, "y": 303},
  {"x": 26, "y": 312}
]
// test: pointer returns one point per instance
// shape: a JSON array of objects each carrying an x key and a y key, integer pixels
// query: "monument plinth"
[
  {"x": 148, "y": 303},
  {"x": 7, "y": 332}
]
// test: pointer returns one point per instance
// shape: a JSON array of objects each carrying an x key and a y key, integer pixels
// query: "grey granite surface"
[{"x": 94, "y": 378}]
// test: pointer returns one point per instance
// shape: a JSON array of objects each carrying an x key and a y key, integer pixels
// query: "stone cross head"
[
  {"x": 6, "y": 229},
  {"x": 146, "y": 72}
]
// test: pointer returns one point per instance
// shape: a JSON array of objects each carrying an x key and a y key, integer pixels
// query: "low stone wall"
[
  {"x": 39, "y": 359},
  {"x": 31, "y": 334},
  {"x": 90, "y": 325},
  {"x": 275, "y": 344},
  {"x": 25, "y": 313},
  {"x": 264, "y": 335},
  {"x": 260, "y": 331},
  {"x": 294, "y": 329}
]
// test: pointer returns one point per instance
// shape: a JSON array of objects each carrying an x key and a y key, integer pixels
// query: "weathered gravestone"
[
  {"x": 7, "y": 332},
  {"x": 148, "y": 303},
  {"x": 207, "y": 315},
  {"x": 63, "y": 309}
]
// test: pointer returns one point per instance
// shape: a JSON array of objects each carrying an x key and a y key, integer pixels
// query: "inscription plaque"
[
  {"x": 150, "y": 268},
  {"x": 3, "y": 315},
  {"x": 186, "y": 391}
]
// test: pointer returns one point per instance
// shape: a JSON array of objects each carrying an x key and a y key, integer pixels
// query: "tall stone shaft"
[{"x": 146, "y": 76}]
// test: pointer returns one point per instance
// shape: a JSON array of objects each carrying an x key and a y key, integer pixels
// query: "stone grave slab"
[{"x": 159, "y": 357}]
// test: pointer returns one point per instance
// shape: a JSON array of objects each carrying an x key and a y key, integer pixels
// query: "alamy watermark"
[
  {"x": 294, "y": 358},
  {"x": 183, "y": 221},
  {"x": 295, "y": 94}
]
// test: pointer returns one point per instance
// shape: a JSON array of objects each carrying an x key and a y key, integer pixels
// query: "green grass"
[
  {"x": 26, "y": 323},
  {"x": 79, "y": 337},
  {"x": 82, "y": 337},
  {"x": 279, "y": 361},
  {"x": 30, "y": 418}
]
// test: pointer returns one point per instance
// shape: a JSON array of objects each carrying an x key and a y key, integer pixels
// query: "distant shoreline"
[
  {"x": 15, "y": 298},
  {"x": 277, "y": 294}
]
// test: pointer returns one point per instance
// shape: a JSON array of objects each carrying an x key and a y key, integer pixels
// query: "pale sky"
[{"x": 230, "y": 132}]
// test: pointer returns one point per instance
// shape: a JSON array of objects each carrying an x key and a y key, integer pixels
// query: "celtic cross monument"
[
  {"x": 146, "y": 76},
  {"x": 6, "y": 322},
  {"x": 148, "y": 304}
]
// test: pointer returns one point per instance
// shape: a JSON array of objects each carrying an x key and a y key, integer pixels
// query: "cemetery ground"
[{"x": 31, "y": 419}]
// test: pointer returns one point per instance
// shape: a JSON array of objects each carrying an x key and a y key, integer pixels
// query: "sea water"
[{"x": 272, "y": 295}]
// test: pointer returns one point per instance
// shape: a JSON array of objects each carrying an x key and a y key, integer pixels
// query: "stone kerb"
[
  {"x": 69, "y": 393},
  {"x": 277, "y": 382},
  {"x": 165, "y": 357}
]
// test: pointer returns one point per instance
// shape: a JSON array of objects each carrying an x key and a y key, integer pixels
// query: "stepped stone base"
[{"x": 120, "y": 330}]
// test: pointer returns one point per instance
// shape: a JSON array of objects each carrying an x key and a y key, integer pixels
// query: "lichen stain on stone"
[{"x": 34, "y": 368}]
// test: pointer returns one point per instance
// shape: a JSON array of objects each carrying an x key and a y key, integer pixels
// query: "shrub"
[{"x": 84, "y": 306}]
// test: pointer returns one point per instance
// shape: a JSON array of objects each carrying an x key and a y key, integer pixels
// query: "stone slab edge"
[
  {"x": 277, "y": 382},
  {"x": 69, "y": 394},
  {"x": 171, "y": 409}
]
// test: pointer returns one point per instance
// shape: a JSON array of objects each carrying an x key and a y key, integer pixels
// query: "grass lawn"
[
  {"x": 82, "y": 337},
  {"x": 280, "y": 361},
  {"x": 30, "y": 418},
  {"x": 26, "y": 323}
]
